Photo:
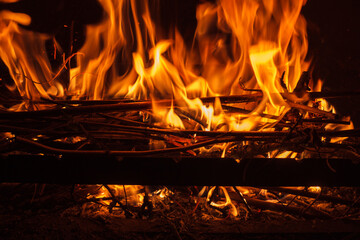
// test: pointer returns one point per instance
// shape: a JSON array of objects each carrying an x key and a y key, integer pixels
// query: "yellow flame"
[
  {"x": 315, "y": 189},
  {"x": 129, "y": 192},
  {"x": 287, "y": 154},
  {"x": 126, "y": 55}
]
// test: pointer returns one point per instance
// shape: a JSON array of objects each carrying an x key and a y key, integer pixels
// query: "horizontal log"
[{"x": 90, "y": 169}]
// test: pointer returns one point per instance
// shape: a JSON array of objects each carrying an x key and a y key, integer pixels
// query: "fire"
[
  {"x": 238, "y": 47},
  {"x": 132, "y": 194},
  {"x": 236, "y": 43}
]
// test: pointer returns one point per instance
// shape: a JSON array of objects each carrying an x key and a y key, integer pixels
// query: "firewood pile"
[
  {"x": 129, "y": 128},
  {"x": 125, "y": 128}
]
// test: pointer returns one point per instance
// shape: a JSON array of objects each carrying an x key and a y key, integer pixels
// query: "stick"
[
  {"x": 123, "y": 106},
  {"x": 120, "y": 153},
  {"x": 125, "y": 121},
  {"x": 144, "y": 105},
  {"x": 239, "y": 135},
  {"x": 312, "y": 110},
  {"x": 312, "y": 195},
  {"x": 115, "y": 199},
  {"x": 288, "y": 209},
  {"x": 325, "y": 121},
  {"x": 243, "y": 200},
  {"x": 245, "y": 98}
]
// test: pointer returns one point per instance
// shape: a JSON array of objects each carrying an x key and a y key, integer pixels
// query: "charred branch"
[
  {"x": 288, "y": 209},
  {"x": 122, "y": 105},
  {"x": 225, "y": 99},
  {"x": 306, "y": 193}
]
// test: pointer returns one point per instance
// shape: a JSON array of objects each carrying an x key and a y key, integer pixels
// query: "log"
[{"x": 105, "y": 169}]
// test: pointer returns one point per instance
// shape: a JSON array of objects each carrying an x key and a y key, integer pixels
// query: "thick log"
[{"x": 90, "y": 169}]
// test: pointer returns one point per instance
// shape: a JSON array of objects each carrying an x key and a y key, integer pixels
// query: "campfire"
[{"x": 229, "y": 111}]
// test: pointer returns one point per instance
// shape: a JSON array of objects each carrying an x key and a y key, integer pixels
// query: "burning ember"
[{"x": 241, "y": 89}]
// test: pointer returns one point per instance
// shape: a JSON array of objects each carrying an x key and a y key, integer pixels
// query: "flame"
[
  {"x": 326, "y": 106},
  {"x": 129, "y": 193},
  {"x": 221, "y": 204},
  {"x": 314, "y": 189},
  {"x": 249, "y": 43},
  {"x": 287, "y": 154}
]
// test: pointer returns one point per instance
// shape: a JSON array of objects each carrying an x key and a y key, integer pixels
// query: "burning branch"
[{"x": 122, "y": 106}]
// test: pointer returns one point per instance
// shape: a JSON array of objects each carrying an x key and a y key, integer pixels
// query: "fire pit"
[{"x": 129, "y": 103}]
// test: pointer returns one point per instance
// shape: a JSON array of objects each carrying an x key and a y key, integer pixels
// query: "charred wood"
[
  {"x": 121, "y": 105},
  {"x": 105, "y": 169},
  {"x": 305, "y": 193}
]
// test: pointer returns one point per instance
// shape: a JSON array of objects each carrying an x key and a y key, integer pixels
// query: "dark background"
[
  {"x": 333, "y": 28},
  {"x": 334, "y": 38}
]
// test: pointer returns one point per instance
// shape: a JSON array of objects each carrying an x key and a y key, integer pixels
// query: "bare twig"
[
  {"x": 312, "y": 195},
  {"x": 312, "y": 110},
  {"x": 115, "y": 199},
  {"x": 243, "y": 199},
  {"x": 122, "y": 153},
  {"x": 262, "y": 204}
]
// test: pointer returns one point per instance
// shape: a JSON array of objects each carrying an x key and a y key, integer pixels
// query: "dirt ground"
[{"x": 53, "y": 213}]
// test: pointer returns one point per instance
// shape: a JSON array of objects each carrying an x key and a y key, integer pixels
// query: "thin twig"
[
  {"x": 311, "y": 195},
  {"x": 126, "y": 121},
  {"x": 114, "y": 198},
  {"x": 312, "y": 110},
  {"x": 312, "y": 203},
  {"x": 280, "y": 207},
  {"x": 243, "y": 200},
  {"x": 123, "y": 153}
]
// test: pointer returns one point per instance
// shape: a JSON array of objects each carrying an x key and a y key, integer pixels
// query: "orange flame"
[{"x": 236, "y": 43}]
